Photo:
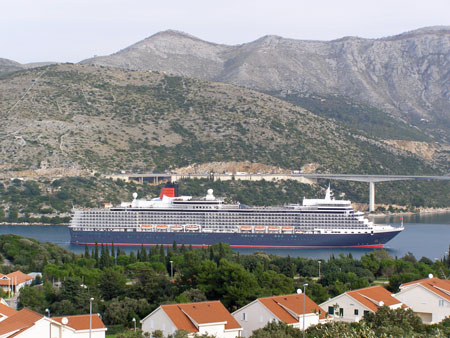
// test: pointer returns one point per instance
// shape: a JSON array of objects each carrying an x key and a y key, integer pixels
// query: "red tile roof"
[
  {"x": 184, "y": 315},
  {"x": 441, "y": 287},
  {"x": 18, "y": 322},
  {"x": 6, "y": 310},
  {"x": 372, "y": 296},
  {"x": 81, "y": 322},
  {"x": 288, "y": 308},
  {"x": 16, "y": 278}
]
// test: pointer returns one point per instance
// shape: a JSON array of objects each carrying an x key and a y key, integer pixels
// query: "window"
[
  {"x": 356, "y": 312},
  {"x": 366, "y": 313},
  {"x": 244, "y": 316},
  {"x": 331, "y": 310},
  {"x": 341, "y": 312},
  {"x": 441, "y": 302}
]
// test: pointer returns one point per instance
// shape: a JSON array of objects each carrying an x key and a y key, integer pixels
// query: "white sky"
[{"x": 73, "y": 30}]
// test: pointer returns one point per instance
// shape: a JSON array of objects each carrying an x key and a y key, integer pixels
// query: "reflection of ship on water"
[{"x": 317, "y": 223}]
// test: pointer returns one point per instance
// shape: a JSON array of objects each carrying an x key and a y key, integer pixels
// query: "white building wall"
[
  {"x": 349, "y": 305},
  {"x": 252, "y": 317},
  {"x": 158, "y": 321},
  {"x": 256, "y": 316},
  {"x": 44, "y": 328},
  {"x": 217, "y": 330},
  {"x": 425, "y": 303},
  {"x": 310, "y": 319}
]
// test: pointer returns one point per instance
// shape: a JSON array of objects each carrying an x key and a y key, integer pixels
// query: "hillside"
[
  {"x": 80, "y": 116},
  {"x": 405, "y": 75}
]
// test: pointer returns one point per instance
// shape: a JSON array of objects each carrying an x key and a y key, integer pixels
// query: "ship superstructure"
[{"x": 200, "y": 222}]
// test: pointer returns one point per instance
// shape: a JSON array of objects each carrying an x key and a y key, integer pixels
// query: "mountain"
[
  {"x": 107, "y": 119},
  {"x": 407, "y": 75},
  {"x": 9, "y": 66}
]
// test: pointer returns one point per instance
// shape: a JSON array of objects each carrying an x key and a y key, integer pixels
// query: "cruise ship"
[{"x": 169, "y": 218}]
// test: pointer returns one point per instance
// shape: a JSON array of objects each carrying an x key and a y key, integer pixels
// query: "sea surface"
[{"x": 425, "y": 235}]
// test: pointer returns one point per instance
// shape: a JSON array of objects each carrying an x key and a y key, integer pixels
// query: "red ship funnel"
[{"x": 169, "y": 192}]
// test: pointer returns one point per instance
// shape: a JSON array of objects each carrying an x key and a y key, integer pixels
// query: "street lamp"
[
  {"x": 134, "y": 321},
  {"x": 171, "y": 269},
  {"x": 299, "y": 291},
  {"x": 47, "y": 310},
  {"x": 90, "y": 316},
  {"x": 319, "y": 267}
]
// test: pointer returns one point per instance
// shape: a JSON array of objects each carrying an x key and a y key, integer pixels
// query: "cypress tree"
[
  {"x": 143, "y": 257},
  {"x": 162, "y": 254},
  {"x": 86, "y": 251},
  {"x": 96, "y": 253},
  {"x": 174, "y": 246},
  {"x": 113, "y": 251}
]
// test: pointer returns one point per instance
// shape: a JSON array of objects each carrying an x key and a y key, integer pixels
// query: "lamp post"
[
  {"x": 299, "y": 291},
  {"x": 47, "y": 310},
  {"x": 90, "y": 316},
  {"x": 171, "y": 269},
  {"x": 319, "y": 267},
  {"x": 134, "y": 321}
]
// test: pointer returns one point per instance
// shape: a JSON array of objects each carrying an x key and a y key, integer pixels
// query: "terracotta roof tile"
[
  {"x": 6, "y": 310},
  {"x": 21, "y": 320},
  {"x": 441, "y": 287},
  {"x": 182, "y": 315},
  {"x": 283, "y": 306},
  {"x": 81, "y": 322},
  {"x": 16, "y": 277},
  {"x": 372, "y": 296}
]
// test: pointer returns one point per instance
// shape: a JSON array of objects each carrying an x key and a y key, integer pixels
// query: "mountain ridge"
[{"x": 405, "y": 75}]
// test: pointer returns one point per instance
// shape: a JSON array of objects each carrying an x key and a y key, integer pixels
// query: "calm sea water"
[{"x": 424, "y": 235}]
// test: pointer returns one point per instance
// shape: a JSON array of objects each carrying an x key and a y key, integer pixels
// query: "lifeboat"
[
  {"x": 192, "y": 227},
  {"x": 246, "y": 228},
  {"x": 176, "y": 227},
  {"x": 146, "y": 226},
  {"x": 274, "y": 229},
  {"x": 287, "y": 229},
  {"x": 260, "y": 229},
  {"x": 161, "y": 227}
]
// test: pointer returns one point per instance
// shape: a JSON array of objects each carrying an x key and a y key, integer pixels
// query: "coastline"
[
  {"x": 409, "y": 213},
  {"x": 29, "y": 224}
]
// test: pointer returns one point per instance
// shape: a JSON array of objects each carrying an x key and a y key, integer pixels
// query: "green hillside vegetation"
[
  {"x": 109, "y": 119},
  {"x": 45, "y": 201},
  {"x": 356, "y": 116},
  {"x": 131, "y": 285}
]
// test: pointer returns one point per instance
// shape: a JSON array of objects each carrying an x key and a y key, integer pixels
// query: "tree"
[
  {"x": 112, "y": 283},
  {"x": 122, "y": 311}
]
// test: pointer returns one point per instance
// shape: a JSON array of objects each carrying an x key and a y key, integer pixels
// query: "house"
[
  {"x": 196, "y": 318},
  {"x": 14, "y": 281},
  {"x": 352, "y": 305},
  {"x": 29, "y": 324},
  {"x": 429, "y": 298},
  {"x": 287, "y": 309},
  {"x": 78, "y": 326}
]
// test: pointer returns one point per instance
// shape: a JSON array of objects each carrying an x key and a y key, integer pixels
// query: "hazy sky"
[{"x": 72, "y": 30}]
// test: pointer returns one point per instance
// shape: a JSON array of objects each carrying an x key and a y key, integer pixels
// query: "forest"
[{"x": 131, "y": 285}]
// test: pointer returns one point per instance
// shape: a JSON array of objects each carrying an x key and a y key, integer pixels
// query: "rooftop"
[
  {"x": 187, "y": 316},
  {"x": 372, "y": 297},
  {"x": 287, "y": 308}
]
